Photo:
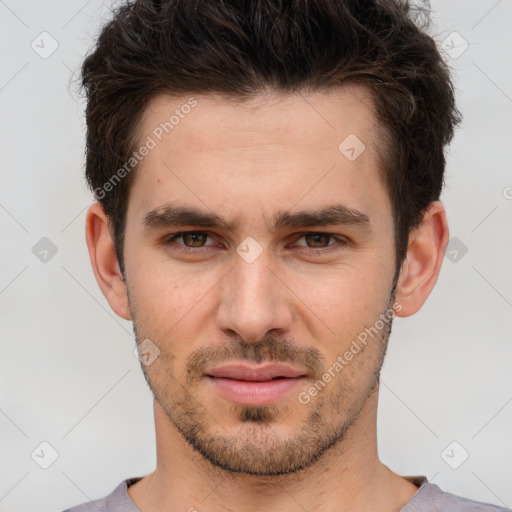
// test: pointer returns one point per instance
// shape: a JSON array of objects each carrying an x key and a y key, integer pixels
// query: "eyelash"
[{"x": 341, "y": 242}]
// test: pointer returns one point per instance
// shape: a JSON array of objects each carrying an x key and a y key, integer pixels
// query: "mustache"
[{"x": 269, "y": 349}]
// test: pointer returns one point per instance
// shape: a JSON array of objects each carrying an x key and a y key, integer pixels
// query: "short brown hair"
[{"x": 239, "y": 48}]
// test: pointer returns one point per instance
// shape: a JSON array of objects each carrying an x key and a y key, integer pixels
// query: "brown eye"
[
  {"x": 190, "y": 239},
  {"x": 320, "y": 242},
  {"x": 317, "y": 240},
  {"x": 194, "y": 239}
]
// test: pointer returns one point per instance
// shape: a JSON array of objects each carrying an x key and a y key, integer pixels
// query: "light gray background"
[{"x": 68, "y": 374}]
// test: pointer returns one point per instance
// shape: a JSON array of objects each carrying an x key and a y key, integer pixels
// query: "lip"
[
  {"x": 258, "y": 373},
  {"x": 254, "y": 385}
]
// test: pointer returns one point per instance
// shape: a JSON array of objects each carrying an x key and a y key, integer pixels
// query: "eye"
[
  {"x": 320, "y": 241},
  {"x": 194, "y": 241},
  {"x": 191, "y": 239}
]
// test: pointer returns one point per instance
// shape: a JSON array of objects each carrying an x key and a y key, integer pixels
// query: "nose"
[{"x": 254, "y": 300}]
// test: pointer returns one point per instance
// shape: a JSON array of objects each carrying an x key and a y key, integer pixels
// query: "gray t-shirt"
[{"x": 428, "y": 498}]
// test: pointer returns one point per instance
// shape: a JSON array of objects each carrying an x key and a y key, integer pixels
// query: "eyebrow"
[{"x": 171, "y": 216}]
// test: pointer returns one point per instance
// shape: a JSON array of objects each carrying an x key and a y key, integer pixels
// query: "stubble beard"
[{"x": 258, "y": 448}]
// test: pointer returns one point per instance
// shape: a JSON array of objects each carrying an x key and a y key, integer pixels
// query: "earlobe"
[
  {"x": 104, "y": 261},
  {"x": 422, "y": 264}
]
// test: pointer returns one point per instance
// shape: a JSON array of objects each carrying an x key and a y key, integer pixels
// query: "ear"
[
  {"x": 422, "y": 264},
  {"x": 104, "y": 261}
]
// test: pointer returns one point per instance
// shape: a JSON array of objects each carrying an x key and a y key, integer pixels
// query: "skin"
[{"x": 248, "y": 161}]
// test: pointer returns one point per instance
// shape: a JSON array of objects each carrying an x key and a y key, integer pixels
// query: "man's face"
[{"x": 267, "y": 286}]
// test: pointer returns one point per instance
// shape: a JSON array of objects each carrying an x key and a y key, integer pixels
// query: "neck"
[{"x": 349, "y": 476}]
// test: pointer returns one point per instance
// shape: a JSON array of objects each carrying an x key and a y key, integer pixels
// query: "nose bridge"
[
  {"x": 252, "y": 301},
  {"x": 251, "y": 280}
]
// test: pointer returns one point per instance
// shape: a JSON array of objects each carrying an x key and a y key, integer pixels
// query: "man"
[{"x": 268, "y": 178}]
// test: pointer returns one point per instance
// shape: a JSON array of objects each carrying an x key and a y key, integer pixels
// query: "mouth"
[{"x": 255, "y": 386}]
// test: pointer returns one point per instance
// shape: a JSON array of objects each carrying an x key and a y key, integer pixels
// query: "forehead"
[
  {"x": 278, "y": 116},
  {"x": 271, "y": 150}
]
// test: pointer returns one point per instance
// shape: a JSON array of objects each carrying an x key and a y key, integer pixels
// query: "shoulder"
[
  {"x": 117, "y": 501},
  {"x": 430, "y": 498},
  {"x": 453, "y": 502}
]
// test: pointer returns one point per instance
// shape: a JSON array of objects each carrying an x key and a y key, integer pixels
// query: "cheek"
[
  {"x": 168, "y": 298},
  {"x": 166, "y": 307},
  {"x": 344, "y": 292},
  {"x": 338, "y": 306}
]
